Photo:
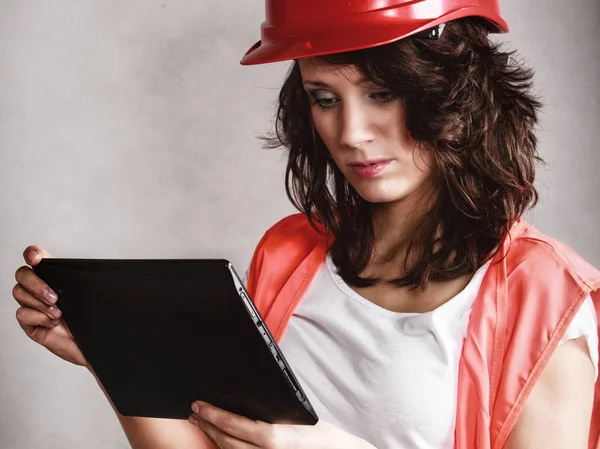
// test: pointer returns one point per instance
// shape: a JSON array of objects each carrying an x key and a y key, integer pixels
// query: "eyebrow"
[
  {"x": 316, "y": 83},
  {"x": 363, "y": 80}
]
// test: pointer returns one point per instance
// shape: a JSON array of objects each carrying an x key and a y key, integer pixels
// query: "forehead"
[{"x": 317, "y": 70}]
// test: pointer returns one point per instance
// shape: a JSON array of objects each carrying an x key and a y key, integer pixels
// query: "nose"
[{"x": 356, "y": 129}]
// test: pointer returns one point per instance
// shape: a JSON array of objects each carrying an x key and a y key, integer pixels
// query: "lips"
[{"x": 371, "y": 168}]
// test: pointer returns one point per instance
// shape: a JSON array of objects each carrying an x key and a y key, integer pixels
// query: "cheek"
[
  {"x": 415, "y": 167},
  {"x": 326, "y": 127}
]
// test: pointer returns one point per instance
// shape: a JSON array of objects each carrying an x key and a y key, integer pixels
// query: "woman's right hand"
[{"x": 38, "y": 315}]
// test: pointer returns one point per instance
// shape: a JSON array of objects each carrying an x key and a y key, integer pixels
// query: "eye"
[
  {"x": 325, "y": 103},
  {"x": 323, "y": 100},
  {"x": 384, "y": 96}
]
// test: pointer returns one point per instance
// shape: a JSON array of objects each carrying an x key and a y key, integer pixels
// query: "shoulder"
[
  {"x": 282, "y": 249},
  {"x": 289, "y": 224},
  {"x": 546, "y": 283},
  {"x": 540, "y": 256},
  {"x": 293, "y": 232}
]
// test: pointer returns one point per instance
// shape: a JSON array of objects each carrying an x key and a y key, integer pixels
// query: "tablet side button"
[
  {"x": 289, "y": 379},
  {"x": 274, "y": 352},
  {"x": 248, "y": 306}
]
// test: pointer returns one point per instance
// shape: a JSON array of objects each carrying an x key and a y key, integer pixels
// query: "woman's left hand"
[{"x": 230, "y": 431}]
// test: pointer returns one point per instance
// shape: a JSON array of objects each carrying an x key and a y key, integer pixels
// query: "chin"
[
  {"x": 380, "y": 195},
  {"x": 390, "y": 191}
]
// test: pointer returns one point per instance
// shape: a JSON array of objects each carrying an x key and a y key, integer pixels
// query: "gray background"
[{"x": 127, "y": 129}]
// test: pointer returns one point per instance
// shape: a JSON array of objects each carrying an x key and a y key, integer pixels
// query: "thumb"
[{"x": 34, "y": 254}]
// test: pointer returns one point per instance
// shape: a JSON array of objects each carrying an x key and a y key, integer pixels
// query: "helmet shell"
[{"x": 296, "y": 29}]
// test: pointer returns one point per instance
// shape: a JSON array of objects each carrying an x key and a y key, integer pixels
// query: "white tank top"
[{"x": 387, "y": 377}]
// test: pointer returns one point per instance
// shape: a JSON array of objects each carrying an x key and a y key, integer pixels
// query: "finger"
[
  {"x": 34, "y": 254},
  {"x": 220, "y": 439},
  {"x": 34, "y": 285},
  {"x": 26, "y": 299},
  {"x": 29, "y": 319},
  {"x": 240, "y": 427}
]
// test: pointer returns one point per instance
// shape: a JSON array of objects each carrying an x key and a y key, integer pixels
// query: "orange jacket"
[{"x": 527, "y": 299}]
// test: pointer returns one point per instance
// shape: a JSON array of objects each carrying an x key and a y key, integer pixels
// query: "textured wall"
[{"x": 127, "y": 129}]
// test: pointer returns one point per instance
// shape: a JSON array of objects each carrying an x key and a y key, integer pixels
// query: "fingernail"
[
  {"x": 193, "y": 420},
  {"x": 50, "y": 296},
  {"x": 195, "y": 408},
  {"x": 54, "y": 312},
  {"x": 55, "y": 323}
]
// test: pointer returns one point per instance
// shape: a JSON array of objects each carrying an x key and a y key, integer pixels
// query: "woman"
[{"x": 415, "y": 305}]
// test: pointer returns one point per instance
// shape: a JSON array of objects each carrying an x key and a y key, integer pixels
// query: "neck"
[{"x": 394, "y": 222}]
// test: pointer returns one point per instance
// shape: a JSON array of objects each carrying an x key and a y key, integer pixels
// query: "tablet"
[{"x": 161, "y": 334}]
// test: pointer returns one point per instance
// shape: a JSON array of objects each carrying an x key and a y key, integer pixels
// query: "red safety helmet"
[{"x": 301, "y": 28}]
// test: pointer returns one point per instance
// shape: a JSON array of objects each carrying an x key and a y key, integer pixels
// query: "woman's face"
[{"x": 363, "y": 127}]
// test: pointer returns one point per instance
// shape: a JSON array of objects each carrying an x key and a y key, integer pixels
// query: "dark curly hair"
[{"x": 469, "y": 102}]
